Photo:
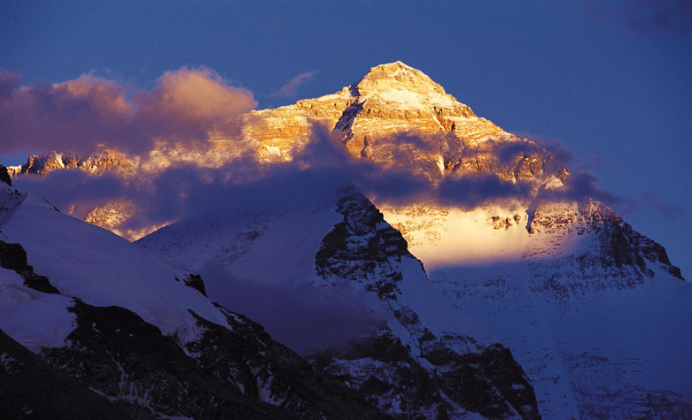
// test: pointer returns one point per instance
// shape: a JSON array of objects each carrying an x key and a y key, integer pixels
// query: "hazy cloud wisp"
[{"x": 290, "y": 89}]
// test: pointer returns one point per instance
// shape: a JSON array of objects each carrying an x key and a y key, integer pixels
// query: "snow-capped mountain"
[
  {"x": 539, "y": 273},
  {"x": 583, "y": 277},
  {"x": 95, "y": 326},
  {"x": 421, "y": 356},
  {"x": 593, "y": 310},
  {"x": 395, "y": 116},
  {"x": 95, "y": 164},
  {"x": 501, "y": 290}
]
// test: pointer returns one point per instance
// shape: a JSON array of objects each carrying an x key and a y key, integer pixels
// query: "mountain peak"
[{"x": 396, "y": 76}]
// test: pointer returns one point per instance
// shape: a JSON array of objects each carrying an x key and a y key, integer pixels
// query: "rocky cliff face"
[
  {"x": 5, "y": 176},
  {"x": 602, "y": 251},
  {"x": 237, "y": 374},
  {"x": 431, "y": 374},
  {"x": 30, "y": 388},
  {"x": 394, "y": 100},
  {"x": 97, "y": 164}
]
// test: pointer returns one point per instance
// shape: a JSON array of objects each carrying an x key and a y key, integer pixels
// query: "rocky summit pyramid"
[
  {"x": 501, "y": 292},
  {"x": 390, "y": 99},
  {"x": 372, "y": 117},
  {"x": 395, "y": 117}
]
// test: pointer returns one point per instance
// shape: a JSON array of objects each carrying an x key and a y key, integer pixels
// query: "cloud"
[
  {"x": 246, "y": 185},
  {"x": 189, "y": 103},
  {"x": 644, "y": 17},
  {"x": 8, "y": 83},
  {"x": 74, "y": 191},
  {"x": 319, "y": 169},
  {"x": 90, "y": 112},
  {"x": 77, "y": 114},
  {"x": 581, "y": 186},
  {"x": 290, "y": 89},
  {"x": 663, "y": 207},
  {"x": 470, "y": 192},
  {"x": 304, "y": 318},
  {"x": 532, "y": 144}
]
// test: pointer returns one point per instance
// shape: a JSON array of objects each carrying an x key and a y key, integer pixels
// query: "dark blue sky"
[{"x": 613, "y": 84}]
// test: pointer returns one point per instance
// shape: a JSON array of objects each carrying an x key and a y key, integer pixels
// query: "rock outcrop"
[
  {"x": 438, "y": 374},
  {"x": 30, "y": 388},
  {"x": 5, "y": 176},
  {"x": 235, "y": 374}
]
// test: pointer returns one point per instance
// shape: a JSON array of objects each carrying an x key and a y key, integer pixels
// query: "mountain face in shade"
[
  {"x": 420, "y": 354},
  {"x": 122, "y": 328},
  {"x": 502, "y": 293},
  {"x": 552, "y": 276},
  {"x": 94, "y": 326}
]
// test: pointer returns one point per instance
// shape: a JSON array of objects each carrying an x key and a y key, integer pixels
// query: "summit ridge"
[
  {"x": 398, "y": 76},
  {"x": 390, "y": 100}
]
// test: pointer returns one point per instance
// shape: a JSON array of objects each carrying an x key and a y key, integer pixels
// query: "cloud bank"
[
  {"x": 304, "y": 318},
  {"x": 189, "y": 104},
  {"x": 316, "y": 173},
  {"x": 644, "y": 17},
  {"x": 90, "y": 112}
]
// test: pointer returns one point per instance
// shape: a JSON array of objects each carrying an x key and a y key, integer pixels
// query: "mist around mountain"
[{"x": 427, "y": 261}]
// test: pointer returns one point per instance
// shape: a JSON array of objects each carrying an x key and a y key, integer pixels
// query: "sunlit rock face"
[
  {"x": 395, "y": 117},
  {"x": 394, "y": 99},
  {"x": 282, "y": 132},
  {"x": 399, "y": 118},
  {"x": 95, "y": 164}
]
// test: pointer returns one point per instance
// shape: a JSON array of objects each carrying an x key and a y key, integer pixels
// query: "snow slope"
[
  {"x": 604, "y": 353},
  {"x": 33, "y": 318},
  {"x": 103, "y": 269},
  {"x": 278, "y": 246},
  {"x": 128, "y": 326},
  {"x": 339, "y": 245},
  {"x": 594, "y": 312}
]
